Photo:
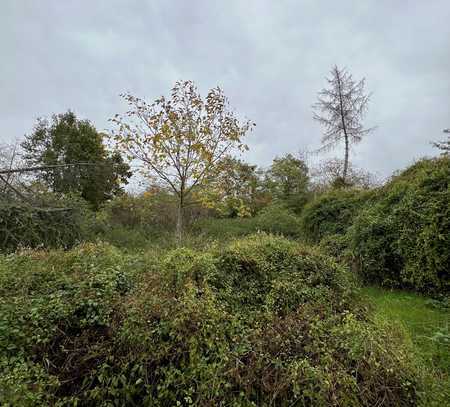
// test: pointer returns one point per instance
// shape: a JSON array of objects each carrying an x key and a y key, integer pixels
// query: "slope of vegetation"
[
  {"x": 221, "y": 284},
  {"x": 265, "y": 321}
]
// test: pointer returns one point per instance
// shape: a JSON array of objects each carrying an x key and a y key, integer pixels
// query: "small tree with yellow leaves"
[{"x": 180, "y": 140}]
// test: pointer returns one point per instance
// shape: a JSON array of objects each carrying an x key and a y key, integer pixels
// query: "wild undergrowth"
[{"x": 260, "y": 321}]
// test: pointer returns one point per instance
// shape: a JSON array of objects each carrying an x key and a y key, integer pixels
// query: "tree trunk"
[
  {"x": 179, "y": 229},
  {"x": 344, "y": 175},
  {"x": 344, "y": 126}
]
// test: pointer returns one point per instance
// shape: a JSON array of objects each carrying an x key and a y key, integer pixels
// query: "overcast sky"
[{"x": 270, "y": 57}]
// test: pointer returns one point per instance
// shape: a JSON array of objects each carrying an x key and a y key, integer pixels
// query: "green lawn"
[
  {"x": 427, "y": 325},
  {"x": 428, "y": 328}
]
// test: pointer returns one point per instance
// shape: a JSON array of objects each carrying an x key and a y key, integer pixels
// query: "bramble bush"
[
  {"x": 262, "y": 271},
  {"x": 54, "y": 313},
  {"x": 266, "y": 321}
]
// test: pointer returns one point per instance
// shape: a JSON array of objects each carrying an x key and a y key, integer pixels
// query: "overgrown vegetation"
[
  {"x": 332, "y": 213},
  {"x": 266, "y": 321},
  {"x": 61, "y": 221},
  {"x": 274, "y": 219},
  {"x": 395, "y": 235},
  {"x": 255, "y": 301},
  {"x": 402, "y": 239}
]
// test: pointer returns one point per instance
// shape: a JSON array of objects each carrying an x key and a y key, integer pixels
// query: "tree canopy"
[
  {"x": 288, "y": 179},
  {"x": 66, "y": 139}
]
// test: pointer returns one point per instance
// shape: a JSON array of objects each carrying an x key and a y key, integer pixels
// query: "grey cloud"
[{"x": 270, "y": 57}]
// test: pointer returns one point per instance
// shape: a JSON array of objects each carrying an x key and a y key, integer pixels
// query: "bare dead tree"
[{"x": 340, "y": 109}]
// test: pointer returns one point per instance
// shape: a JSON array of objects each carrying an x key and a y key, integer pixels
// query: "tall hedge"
[
  {"x": 403, "y": 237},
  {"x": 397, "y": 235}
]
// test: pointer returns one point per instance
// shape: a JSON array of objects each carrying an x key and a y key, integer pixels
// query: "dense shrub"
[
  {"x": 278, "y": 220},
  {"x": 137, "y": 222},
  {"x": 267, "y": 271},
  {"x": 151, "y": 212},
  {"x": 332, "y": 213},
  {"x": 264, "y": 322},
  {"x": 403, "y": 237},
  {"x": 336, "y": 246},
  {"x": 397, "y": 235},
  {"x": 62, "y": 225},
  {"x": 148, "y": 211},
  {"x": 54, "y": 315}
]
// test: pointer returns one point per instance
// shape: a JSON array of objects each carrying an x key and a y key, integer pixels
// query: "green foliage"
[
  {"x": 278, "y": 220},
  {"x": 287, "y": 180},
  {"x": 336, "y": 246},
  {"x": 273, "y": 271},
  {"x": 141, "y": 221},
  {"x": 54, "y": 315},
  {"x": 182, "y": 265},
  {"x": 403, "y": 238},
  {"x": 397, "y": 235},
  {"x": 67, "y": 140},
  {"x": 224, "y": 228},
  {"x": 235, "y": 191},
  {"x": 127, "y": 238},
  {"x": 24, "y": 383},
  {"x": 150, "y": 211},
  {"x": 25, "y": 226},
  {"x": 264, "y": 322},
  {"x": 332, "y": 213}
]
